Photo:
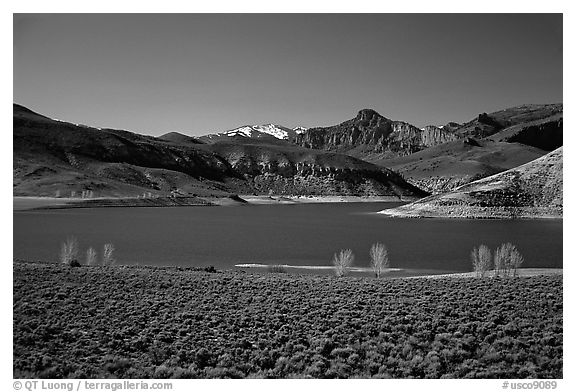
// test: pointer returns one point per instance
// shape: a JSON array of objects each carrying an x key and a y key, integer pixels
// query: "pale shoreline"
[
  {"x": 21, "y": 203},
  {"x": 522, "y": 272}
]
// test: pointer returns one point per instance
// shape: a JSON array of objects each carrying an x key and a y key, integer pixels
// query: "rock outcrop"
[
  {"x": 369, "y": 132},
  {"x": 300, "y": 171}
]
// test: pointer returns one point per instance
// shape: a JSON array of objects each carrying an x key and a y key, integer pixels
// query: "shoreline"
[
  {"x": 264, "y": 270},
  {"x": 23, "y": 203},
  {"x": 486, "y": 213}
]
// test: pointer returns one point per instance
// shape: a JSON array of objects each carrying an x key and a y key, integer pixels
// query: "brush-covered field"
[{"x": 147, "y": 322}]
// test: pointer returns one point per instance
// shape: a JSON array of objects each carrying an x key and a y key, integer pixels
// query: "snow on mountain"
[{"x": 259, "y": 131}]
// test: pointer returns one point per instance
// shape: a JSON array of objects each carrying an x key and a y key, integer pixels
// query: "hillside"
[
  {"x": 532, "y": 190},
  {"x": 442, "y": 168},
  {"x": 545, "y": 133},
  {"x": 488, "y": 124},
  {"x": 177, "y": 137},
  {"x": 53, "y": 157}
]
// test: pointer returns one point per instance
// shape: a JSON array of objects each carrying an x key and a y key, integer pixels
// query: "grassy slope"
[
  {"x": 138, "y": 322},
  {"x": 531, "y": 190},
  {"x": 448, "y": 165}
]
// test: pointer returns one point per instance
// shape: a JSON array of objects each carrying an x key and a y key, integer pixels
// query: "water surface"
[{"x": 304, "y": 235}]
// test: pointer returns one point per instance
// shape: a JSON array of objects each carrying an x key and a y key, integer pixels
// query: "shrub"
[
  {"x": 108, "y": 255},
  {"x": 379, "y": 258},
  {"x": 90, "y": 256},
  {"x": 481, "y": 258},
  {"x": 69, "y": 251},
  {"x": 507, "y": 260},
  {"x": 342, "y": 261}
]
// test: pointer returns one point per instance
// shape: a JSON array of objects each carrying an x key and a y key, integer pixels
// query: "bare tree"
[
  {"x": 69, "y": 251},
  {"x": 91, "y": 256},
  {"x": 481, "y": 259},
  {"x": 508, "y": 259},
  {"x": 108, "y": 255},
  {"x": 342, "y": 261},
  {"x": 379, "y": 258},
  {"x": 516, "y": 259}
]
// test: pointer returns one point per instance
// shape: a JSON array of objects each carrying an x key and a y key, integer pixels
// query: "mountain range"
[
  {"x": 368, "y": 155},
  {"x": 435, "y": 158},
  {"x": 55, "y": 157}
]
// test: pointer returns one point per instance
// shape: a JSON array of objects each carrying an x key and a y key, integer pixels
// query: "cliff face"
[
  {"x": 370, "y": 132},
  {"x": 300, "y": 171}
]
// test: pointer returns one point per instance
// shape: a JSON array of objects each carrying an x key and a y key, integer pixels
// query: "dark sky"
[{"x": 200, "y": 73}]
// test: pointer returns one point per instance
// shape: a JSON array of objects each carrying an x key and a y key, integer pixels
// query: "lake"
[{"x": 296, "y": 235}]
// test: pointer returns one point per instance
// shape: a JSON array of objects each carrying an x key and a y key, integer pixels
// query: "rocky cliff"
[{"x": 371, "y": 133}]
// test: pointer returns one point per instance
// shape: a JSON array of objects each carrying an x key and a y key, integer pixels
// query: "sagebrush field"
[{"x": 144, "y": 322}]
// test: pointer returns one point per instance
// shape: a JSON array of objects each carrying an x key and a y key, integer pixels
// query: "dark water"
[{"x": 306, "y": 234}]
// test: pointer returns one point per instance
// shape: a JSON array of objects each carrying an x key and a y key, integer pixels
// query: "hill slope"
[
  {"x": 488, "y": 124},
  {"x": 532, "y": 190},
  {"x": 55, "y": 157}
]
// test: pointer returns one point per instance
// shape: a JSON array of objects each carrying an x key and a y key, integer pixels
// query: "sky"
[{"x": 205, "y": 73}]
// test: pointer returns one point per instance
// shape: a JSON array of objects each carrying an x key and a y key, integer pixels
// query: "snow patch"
[{"x": 256, "y": 131}]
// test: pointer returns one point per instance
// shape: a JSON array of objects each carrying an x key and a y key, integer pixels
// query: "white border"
[{"x": 300, "y": 6}]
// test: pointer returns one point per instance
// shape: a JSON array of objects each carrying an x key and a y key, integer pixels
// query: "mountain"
[
  {"x": 266, "y": 131},
  {"x": 534, "y": 131},
  {"x": 532, "y": 190},
  {"x": 370, "y": 135},
  {"x": 55, "y": 157}
]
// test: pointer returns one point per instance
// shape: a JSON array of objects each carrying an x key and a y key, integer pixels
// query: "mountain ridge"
[{"x": 51, "y": 156}]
